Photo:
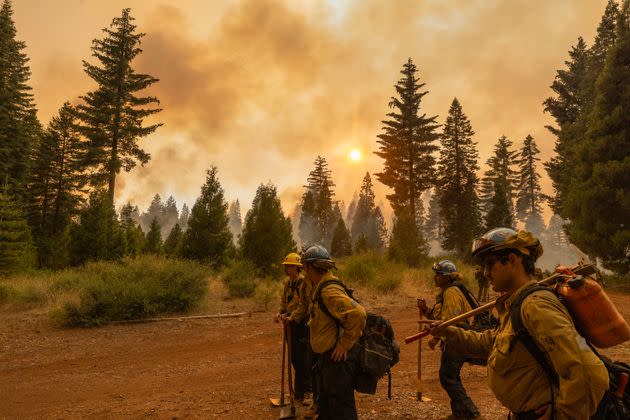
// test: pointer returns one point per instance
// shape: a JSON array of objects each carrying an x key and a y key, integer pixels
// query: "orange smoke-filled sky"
[{"x": 259, "y": 88}]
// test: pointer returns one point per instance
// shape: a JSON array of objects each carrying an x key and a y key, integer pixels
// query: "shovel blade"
[
  {"x": 288, "y": 412},
  {"x": 277, "y": 402}
]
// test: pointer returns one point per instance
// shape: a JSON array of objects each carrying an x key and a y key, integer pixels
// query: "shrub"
[
  {"x": 267, "y": 293},
  {"x": 361, "y": 268},
  {"x": 372, "y": 270},
  {"x": 240, "y": 279},
  {"x": 139, "y": 288}
]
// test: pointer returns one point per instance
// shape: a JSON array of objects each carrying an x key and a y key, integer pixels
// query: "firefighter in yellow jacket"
[
  {"x": 515, "y": 374},
  {"x": 336, "y": 324},
  {"x": 449, "y": 303},
  {"x": 293, "y": 312}
]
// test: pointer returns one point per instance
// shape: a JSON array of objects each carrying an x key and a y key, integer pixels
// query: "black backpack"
[
  {"x": 379, "y": 351},
  {"x": 482, "y": 321},
  {"x": 611, "y": 407}
]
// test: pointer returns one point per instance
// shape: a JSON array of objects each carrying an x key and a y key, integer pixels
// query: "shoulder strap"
[
  {"x": 525, "y": 337},
  {"x": 320, "y": 300},
  {"x": 469, "y": 297}
]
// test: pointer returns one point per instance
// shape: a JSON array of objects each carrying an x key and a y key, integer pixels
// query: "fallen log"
[{"x": 181, "y": 318}]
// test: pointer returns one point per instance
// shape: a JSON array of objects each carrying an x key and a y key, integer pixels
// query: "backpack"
[
  {"x": 482, "y": 321},
  {"x": 611, "y": 407},
  {"x": 378, "y": 350}
]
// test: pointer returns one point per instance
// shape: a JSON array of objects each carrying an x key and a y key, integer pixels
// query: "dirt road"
[{"x": 210, "y": 368}]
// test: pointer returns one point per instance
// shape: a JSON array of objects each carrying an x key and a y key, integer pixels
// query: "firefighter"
[
  {"x": 293, "y": 313},
  {"x": 483, "y": 284},
  {"x": 335, "y": 331},
  {"x": 515, "y": 373},
  {"x": 449, "y": 303}
]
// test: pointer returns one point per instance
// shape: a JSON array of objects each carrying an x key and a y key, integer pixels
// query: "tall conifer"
[
  {"x": 112, "y": 116},
  {"x": 457, "y": 179}
]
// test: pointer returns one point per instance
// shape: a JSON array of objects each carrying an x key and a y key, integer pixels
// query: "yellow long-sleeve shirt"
[
  {"x": 516, "y": 378},
  {"x": 350, "y": 315},
  {"x": 291, "y": 294},
  {"x": 300, "y": 313},
  {"x": 449, "y": 303}
]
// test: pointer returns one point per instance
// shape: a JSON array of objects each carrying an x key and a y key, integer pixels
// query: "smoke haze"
[{"x": 259, "y": 88}]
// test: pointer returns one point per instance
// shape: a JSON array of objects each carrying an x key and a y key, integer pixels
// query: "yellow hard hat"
[{"x": 292, "y": 259}]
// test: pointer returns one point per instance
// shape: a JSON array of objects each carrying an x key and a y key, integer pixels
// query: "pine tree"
[
  {"x": 19, "y": 128},
  {"x": 352, "y": 209},
  {"x": 341, "y": 245},
  {"x": 97, "y": 235},
  {"x": 112, "y": 116},
  {"x": 16, "y": 250},
  {"x": 56, "y": 188},
  {"x": 529, "y": 195},
  {"x": 236, "y": 223},
  {"x": 183, "y": 217},
  {"x": 457, "y": 179},
  {"x": 132, "y": 232},
  {"x": 364, "y": 209},
  {"x": 169, "y": 216},
  {"x": 174, "y": 241},
  {"x": 267, "y": 236},
  {"x": 407, "y": 146},
  {"x": 598, "y": 198},
  {"x": 499, "y": 169},
  {"x": 433, "y": 226},
  {"x": 500, "y": 209},
  {"x": 308, "y": 222},
  {"x": 377, "y": 229},
  {"x": 368, "y": 219},
  {"x": 325, "y": 216},
  {"x": 566, "y": 108},
  {"x": 154, "y": 238},
  {"x": 318, "y": 209},
  {"x": 604, "y": 41},
  {"x": 406, "y": 243},
  {"x": 154, "y": 211},
  {"x": 208, "y": 236},
  {"x": 361, "y": 244}
]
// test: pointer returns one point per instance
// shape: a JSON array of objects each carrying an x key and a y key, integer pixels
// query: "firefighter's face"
[
  {"x": 500, "y": 271},
  {"x": 440, "y": 280},
  {"x": 291, "y": 271}
]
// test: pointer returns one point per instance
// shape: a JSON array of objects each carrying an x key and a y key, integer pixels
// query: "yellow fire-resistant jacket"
[
  {"x": 517, "y": 379},
  {"x": 291, "y": 294},
  {"x": 300, "y": 314},
  {"x": 448, "y": 304},
  {"x": 351, "y": 316}
]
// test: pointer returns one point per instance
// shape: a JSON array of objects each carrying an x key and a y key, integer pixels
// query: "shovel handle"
[{"x": 284, "y": 351}]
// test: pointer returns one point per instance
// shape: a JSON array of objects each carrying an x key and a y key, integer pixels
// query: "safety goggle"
[{"x": 481, "y": 243}]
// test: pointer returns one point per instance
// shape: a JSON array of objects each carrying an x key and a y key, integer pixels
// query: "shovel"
[
  {"x": 282, "y": 401},
  {"x": 288, "y": 411}
]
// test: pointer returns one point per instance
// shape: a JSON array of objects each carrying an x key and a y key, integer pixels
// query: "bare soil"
[{"x": 204, "y": 368}]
